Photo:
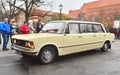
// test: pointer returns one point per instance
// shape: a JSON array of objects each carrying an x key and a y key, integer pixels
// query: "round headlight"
[
  {"x": 26, "y": 44},
  {"x": 14, "y": 41}
]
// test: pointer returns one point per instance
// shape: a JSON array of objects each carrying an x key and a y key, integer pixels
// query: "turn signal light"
[{"x": 31, "y": 44}]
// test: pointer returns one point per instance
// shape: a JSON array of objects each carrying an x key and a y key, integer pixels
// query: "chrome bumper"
[{"x": 33, "y": 52}]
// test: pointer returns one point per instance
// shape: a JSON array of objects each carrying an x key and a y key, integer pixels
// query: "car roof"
[{"x": 76, "y": 21}]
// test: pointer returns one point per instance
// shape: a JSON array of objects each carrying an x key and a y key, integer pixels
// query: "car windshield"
[{"x": 54, "y": 27}]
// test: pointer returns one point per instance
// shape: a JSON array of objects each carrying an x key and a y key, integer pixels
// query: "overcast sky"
[{"x": 68, "y": 4}]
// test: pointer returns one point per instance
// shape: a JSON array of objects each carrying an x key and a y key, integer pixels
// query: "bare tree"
[
  {"x": 9, "y": 10},
  {"x": 1, "y": 14},
  {"x": 28, "y": 6}
]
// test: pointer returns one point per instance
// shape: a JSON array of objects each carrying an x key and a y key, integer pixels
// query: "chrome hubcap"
[
  {"x": 106, "y": 47},
  {"x": 47, "y": 56}
]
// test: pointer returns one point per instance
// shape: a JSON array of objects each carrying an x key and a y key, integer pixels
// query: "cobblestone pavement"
[
  {"x": 85, "y": 63},
  {"x": 6, "y": 53}
]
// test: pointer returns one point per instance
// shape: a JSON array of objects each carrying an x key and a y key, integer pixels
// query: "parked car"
[{"x": 58, "y": 38}]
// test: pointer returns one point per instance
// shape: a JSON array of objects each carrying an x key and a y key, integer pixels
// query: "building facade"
[{"x": 104, "y": 11}]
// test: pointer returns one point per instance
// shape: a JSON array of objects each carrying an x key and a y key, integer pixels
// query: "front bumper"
[{"x": 31, "y": 52}]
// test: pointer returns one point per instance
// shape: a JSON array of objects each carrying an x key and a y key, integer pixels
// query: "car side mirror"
[
  {"x": 95, "y": 31},
  {"x": 67, "y": 32}
]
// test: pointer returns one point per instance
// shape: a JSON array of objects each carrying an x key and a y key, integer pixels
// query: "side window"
[
  {"x": 83, "y": 28},
  {"x": 89, "y": 28},
  {"x": 98, "y": 28},
  {"x": 73, "y": 28},
  {"x": 86, "y": 28}
]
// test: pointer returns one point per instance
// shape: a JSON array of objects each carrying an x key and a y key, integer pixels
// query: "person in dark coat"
[
  {"x": 119, "y": 32},
  {"x": 14, "y": 30},
  {"x": 112, "y": 30},
  {"x": 39, "y": 26}
]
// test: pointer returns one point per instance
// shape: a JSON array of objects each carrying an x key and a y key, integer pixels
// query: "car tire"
[
  {"x": 105, "y": 47},
  {"x": 47, "y": 55}
]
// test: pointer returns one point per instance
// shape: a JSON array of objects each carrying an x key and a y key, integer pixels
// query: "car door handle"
[
  {"x": 104, "y": 35},
  {"x": 94, "y": 35},
  {"x": 79, "y": 36}
]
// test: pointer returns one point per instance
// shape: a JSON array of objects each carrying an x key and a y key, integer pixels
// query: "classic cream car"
[{"x": 58, "y": 38}]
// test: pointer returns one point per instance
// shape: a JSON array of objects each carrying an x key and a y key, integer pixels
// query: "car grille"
[{"x": 20, "y": 42}]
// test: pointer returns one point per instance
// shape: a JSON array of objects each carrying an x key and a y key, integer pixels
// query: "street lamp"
[{"x": 60, "y": 7}]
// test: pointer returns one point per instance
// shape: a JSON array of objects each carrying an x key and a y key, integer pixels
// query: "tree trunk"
[
  {"x": 26, "y": 17},
  {"x": 27, "y": 12}
]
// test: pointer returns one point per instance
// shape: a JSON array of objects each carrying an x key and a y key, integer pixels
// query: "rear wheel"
[
  {"x": 47, "y": 55},
  {"x": 105, "y": 47}
]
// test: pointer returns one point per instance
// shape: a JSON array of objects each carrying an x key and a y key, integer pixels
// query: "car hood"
[{"x": 33, "y": 36}]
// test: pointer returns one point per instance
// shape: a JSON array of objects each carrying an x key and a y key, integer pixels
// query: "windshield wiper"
[{"x": 43, "y": 31}]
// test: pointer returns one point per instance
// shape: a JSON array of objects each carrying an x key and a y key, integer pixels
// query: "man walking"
[
  {"x": 39, "y": 26},
  {"x": 5, "y": 30}
]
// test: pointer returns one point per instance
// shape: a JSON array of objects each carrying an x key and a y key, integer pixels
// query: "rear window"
[{"x": 98, "y": 28}]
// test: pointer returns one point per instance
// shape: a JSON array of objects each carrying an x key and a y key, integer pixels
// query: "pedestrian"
[
  {"x": 0, "y": 38},
  {"x": 31, "y": 28},
  {"x": 5, "y": 30},
  {"x": 39, "y": 26},
  {"x": 24, "y": 29},
  {"x": 14, "y": 30},
  {"x": 117, "y": 33},
  {"x": 112, "y": 30}
]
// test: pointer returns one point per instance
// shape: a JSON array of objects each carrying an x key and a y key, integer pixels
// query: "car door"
[
  {"x": 88, "y": 36},
  {"x": 72, "y": 40},
  {"x": 100, "y": 35}
]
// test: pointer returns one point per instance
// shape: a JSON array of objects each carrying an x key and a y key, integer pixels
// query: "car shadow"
[{"x": 66, "y": 58}]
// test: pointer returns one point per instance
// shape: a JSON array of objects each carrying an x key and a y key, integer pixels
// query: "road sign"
[{"x": 35, "y": 16}]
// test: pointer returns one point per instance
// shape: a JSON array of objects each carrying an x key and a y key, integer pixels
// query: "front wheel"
[
  {"x": 47, "y": 55},
  {"x": 105, "y": 47}
]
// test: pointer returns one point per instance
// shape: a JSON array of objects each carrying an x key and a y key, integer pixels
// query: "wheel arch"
[
  {"x": 109, "y": 44},
  {"x": 51, "y": 45}
]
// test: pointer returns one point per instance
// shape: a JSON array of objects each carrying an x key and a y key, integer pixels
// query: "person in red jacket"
[
  {"x": 117, "y": 33},
  {"x": 24, "y": 29}
]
